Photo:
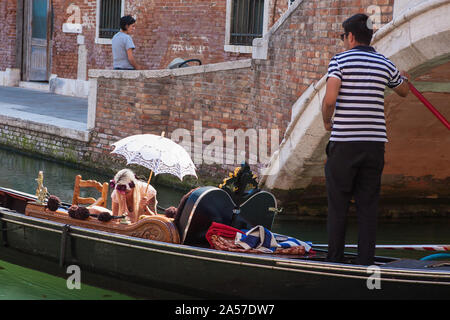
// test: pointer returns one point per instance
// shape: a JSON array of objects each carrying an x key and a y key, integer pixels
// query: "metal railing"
[{"x": 110, "y": 11}]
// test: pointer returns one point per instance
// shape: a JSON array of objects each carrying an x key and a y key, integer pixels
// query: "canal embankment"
[{"x": 44, "y": 124}]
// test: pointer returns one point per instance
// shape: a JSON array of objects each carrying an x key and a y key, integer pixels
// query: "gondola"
[{"x": 185, "y": 265}]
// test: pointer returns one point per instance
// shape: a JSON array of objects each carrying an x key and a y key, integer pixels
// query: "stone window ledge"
[
  {"x": 237, "y": 49},
  {"x": 103, "y": 41}
]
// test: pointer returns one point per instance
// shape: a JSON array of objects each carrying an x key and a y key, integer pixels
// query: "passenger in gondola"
[{"x": 131, "y": 196}]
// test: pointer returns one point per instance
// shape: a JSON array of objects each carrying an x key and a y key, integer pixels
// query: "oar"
[
  {"x": 429, "y": 105},
  {"x": 419, "y": 247}
]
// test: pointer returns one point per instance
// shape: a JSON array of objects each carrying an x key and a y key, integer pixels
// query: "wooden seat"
[
  {"x": 102, "y": 188},
  {"x": 157, "y": 227}
]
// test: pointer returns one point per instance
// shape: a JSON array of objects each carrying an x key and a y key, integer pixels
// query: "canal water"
[
  {"x": 19, "y": 283},
  {"x": 18, "y": 171}
]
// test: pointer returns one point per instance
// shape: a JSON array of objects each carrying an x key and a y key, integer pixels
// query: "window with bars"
[
  {"x": 246, "y": 21},
  {"x": 110, "y": 14}
]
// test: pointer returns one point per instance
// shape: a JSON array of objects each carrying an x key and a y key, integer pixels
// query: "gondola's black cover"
[{"x": 210, "y": 204}]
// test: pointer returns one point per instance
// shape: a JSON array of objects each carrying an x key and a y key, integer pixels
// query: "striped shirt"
[{"x": 364, "y": 75}]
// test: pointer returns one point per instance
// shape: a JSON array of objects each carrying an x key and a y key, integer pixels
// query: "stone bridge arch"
[{"x": 418, "y": 41}]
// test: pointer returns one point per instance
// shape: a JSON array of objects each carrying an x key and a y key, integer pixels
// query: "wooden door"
[{"x": 37, "y": 40}]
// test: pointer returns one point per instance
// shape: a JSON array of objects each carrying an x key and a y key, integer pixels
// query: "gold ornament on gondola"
[
  {"x": 41, "y": 191},
  {"x": 237, "y": 181}
]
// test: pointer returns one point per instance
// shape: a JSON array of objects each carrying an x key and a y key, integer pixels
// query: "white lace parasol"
[{"x": 159, "y": 154}]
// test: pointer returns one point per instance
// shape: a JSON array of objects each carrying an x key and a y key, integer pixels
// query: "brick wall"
[
  {"x": 8, "y": 34},
  {"x": 260, "y": 96},
  {"x": 165, "y": 30},
  {"x": 169, "y": 29},
  {"x": 219, "y": 99}
]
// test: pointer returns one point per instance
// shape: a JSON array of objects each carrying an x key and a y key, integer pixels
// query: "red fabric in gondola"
[
  {"x": 227, "y": 244},
  {"x": 221, "y": 237},
  {"x": 222, "y": 230}
]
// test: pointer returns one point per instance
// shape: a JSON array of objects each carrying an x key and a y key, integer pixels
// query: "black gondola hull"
[{"x": 212, "y": 274}]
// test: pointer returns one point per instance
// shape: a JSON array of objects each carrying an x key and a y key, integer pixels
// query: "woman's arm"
[
  {"x": 152, "y": 205},
  {"x": 115, "y": 209},
  {"x": 147, "y": 207}
]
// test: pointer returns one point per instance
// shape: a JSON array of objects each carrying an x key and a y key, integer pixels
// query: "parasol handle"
[
  {"x": 151, "y": 171},
  {"x": 429, "y": 106},
  {"x": 148, "y": 182}
]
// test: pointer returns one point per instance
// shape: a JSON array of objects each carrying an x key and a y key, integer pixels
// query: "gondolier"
[{"x": 355, "y": 88}]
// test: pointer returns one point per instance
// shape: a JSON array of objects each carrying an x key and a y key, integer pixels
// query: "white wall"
[{"x": 401, "y": 5}]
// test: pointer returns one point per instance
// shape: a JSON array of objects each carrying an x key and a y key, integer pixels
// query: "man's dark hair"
[
  {"x": 358, "y": 26},
  {"x": 126, "y": 21}
]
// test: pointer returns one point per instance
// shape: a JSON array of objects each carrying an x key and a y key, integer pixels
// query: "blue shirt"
[{"x": 121, "y": 42}]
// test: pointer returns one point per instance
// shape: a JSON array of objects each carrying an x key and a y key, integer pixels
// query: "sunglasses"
[
  {"x": 120, "y": 187},
  {"x": 343, "y": 35},
  {"x": 123, "y": 188}
]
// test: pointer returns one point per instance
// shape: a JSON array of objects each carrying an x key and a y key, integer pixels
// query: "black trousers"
[{"x": 353, "y": 169}]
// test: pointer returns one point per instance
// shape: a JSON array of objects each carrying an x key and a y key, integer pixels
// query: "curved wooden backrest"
[
  {"x": 157, "y": 227},
  {"x": 102, "y": 188}
]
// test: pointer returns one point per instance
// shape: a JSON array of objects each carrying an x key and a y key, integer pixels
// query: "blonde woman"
[{"x": 130, "y": 196}]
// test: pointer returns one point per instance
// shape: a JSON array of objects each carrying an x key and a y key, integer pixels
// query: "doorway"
[{"x": 36, "y": 41}]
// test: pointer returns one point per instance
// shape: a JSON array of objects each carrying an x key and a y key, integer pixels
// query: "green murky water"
[
  {"x": 19, "y": 172},
  {"x": 18, "y": 283}
]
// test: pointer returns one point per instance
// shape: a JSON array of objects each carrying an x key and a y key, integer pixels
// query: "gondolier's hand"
[
  {"x": 405, "y": 75},
  {"x": 403, "y": 89},
  {"x": 328, "y": 125}
]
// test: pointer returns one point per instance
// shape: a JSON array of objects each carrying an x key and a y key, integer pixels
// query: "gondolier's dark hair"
[
  {"x": 358, "y": 26},
  {"x": 126, "y": 21}
]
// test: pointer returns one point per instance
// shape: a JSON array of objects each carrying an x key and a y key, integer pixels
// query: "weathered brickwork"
[
  {"x": 164, "y": 30},
  {"x": 43, "y": 144},
  {"x": 220, "y": 100},
  {"x": 8, "y": 34}
]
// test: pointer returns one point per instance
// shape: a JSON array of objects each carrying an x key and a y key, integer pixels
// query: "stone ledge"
[
  {"x": 10, "y": 77},
  {"x": 83, "y": 136},
  {"x": 149, "y": 74}
]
